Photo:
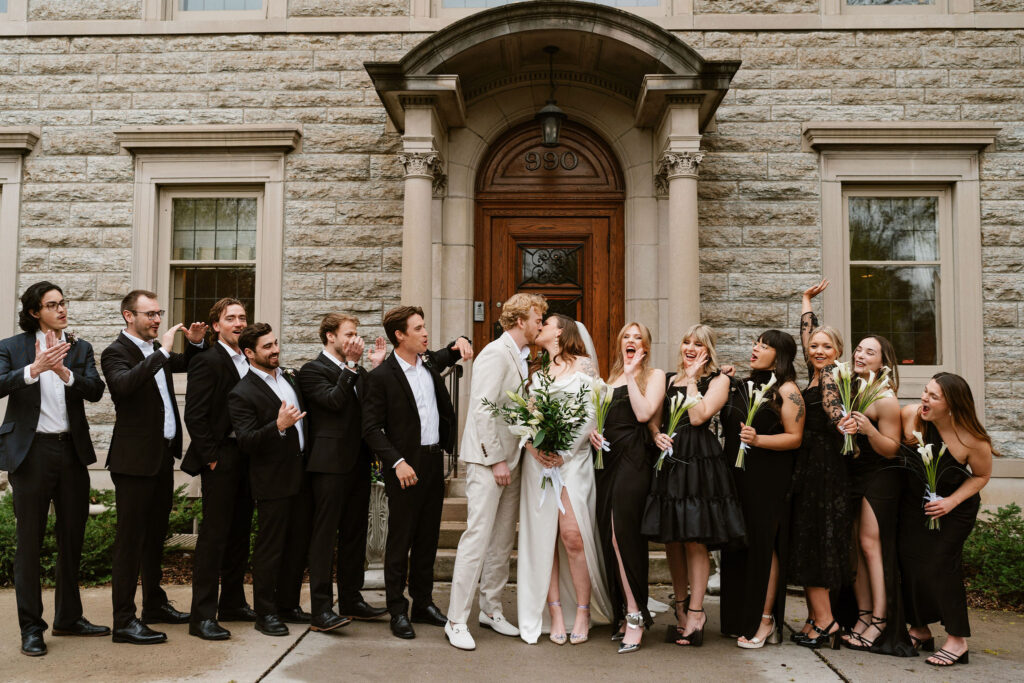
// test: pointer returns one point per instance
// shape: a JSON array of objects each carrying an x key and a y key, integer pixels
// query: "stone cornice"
[
  {"x": 18, "y": 139},
  {"x": 276, "y": 138},
  {"x": 822, "y": 135}
]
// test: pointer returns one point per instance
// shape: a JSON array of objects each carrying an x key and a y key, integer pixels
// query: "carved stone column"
[
  {"x": 421, "y": 170},
  {"x": 678, "y": 170}
]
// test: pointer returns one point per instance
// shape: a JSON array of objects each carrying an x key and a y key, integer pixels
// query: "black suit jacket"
[
  {"x": 211, "y": 377},
  {"x": 276, "y": 463},
  {"x": 391, "y": 423},
  {"x": 332, "y": 397},
  {"x": 23, "y": 400},
  {"x": 136, "y": 445}
]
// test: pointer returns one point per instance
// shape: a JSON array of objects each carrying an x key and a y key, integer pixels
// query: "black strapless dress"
[{"x": 622, "y": 488}]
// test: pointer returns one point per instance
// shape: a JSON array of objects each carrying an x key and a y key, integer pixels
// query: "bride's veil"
[{"x": 587, "y": 341}]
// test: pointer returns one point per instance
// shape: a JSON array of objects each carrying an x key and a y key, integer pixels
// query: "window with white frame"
[
  {"x": 3, "y": 6},
  {"x": 220, "y": 10},
  {"x": 895, "y": 7},
  {"x": 215, "y": 5}
]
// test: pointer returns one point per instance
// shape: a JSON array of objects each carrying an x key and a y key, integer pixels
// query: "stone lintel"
[
  {"x": 659, "y": 91},
  {"x": 822, "y": 135},
  {"x": 19, "y": 139},
  {"x": 398, "y": 90},
  {"x": 280, "y": 138}
]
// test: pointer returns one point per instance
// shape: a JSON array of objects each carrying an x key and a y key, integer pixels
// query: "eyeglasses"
[
  {"x": 54, "y": 305},
  {"x": 152, "y": 315}
]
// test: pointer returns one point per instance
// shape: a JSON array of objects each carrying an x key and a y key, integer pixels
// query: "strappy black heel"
[
  {"x": 947, "y": 658},
  {"x": 797, "y": 636},
  {"x": 863, "y": 643},
  {"x": 825, "y": 635},
  {"x": 694, "y": 638},
  {"x": 928, "y": 645}
]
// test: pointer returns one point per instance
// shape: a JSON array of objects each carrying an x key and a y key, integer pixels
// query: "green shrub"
[{"x": 994, "y": 556}]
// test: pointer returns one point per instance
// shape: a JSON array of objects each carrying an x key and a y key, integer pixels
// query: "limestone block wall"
[
  {"x": 348, "y": 8},
  {"x": 55, "y": 10}
]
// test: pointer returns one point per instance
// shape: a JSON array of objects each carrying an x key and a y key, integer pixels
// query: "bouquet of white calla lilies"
[
  {"x": 755, "y": 399},
  {"x": 860, "y": 395},
  {"x": 677, "y": 407},
  {"x": 931, "y": 473},
  {"x": 601, "y": 396}
]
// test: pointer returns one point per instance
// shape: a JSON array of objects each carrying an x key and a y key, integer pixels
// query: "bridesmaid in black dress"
[
  {"x": 932, "y": 559},
  {"x": 692, "y": 505},
  {"x": 753, "y": 576},
  {"x": 819, "y": 558},
  {"x": 623, "y": 484}
]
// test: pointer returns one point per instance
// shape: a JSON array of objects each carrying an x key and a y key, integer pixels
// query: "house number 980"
[{"x": 550, "y": 161}]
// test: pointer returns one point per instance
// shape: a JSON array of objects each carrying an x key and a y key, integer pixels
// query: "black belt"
[
  {"x": 432, "y": 449},
  {"x": 59, "y": 436}
]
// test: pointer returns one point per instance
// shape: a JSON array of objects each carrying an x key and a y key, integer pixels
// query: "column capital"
[
  {"x": 679, "y": 164},
  {"x": 420, "y": 164}
]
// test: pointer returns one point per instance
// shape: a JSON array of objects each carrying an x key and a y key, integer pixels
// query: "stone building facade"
[{"x": 360, "y": 147}]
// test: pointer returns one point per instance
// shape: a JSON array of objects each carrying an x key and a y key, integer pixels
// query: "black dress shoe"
[
  {"x": 328, "y": 621},
  {"x": 429, "y": 615},
  {"x": 32, "y": 644},
  {"x": 242, "y": 613},
  {"x": 82, "y": 627},
  {"x": 362, "y": 611},
  {"x": 401, "y": 627},
  {"x": 208, "y": 629},
  {"x": 164, "y": 614},
  {"x": 138, "y": 633},
  {"x": 295, "y": 615},
  {"x": 270, "y": 625}
]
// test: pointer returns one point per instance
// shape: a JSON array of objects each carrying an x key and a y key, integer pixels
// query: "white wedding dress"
[{"x": 538, "y": 532}]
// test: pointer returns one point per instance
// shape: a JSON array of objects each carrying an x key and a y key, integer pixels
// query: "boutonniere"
[
  {"x": 70, "y": 337},
  {"x": 425, "y": 359},
  {"x": 288, "y": 372}
]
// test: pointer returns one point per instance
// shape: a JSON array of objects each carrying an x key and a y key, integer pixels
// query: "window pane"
[
  {"x": 899, "y": 303},
  {"x": 214, "y": 5},
  {"x": 894, "y": 228},
  {"x": 890, "y": 2},
  {"x": 550, "y": 265},
  {"x": 197, "y": 289},
  {"x": 214, "y": 228},
  {"x": 3, "y": 5}
]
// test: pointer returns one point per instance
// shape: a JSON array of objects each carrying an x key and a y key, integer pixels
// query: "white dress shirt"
[
  {"x": 422, "y": 385},
  {"x": 53, "y": 409},
  {"x": 285, "y": 392},
  {"x": 241, "y": 364},
  {"x": 170, "y": 428}
]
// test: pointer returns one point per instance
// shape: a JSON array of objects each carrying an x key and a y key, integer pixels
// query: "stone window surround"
[
  {"x": 169, "y": 10},
  {"x": 214, "y": 157},
  {"x": 910, "y": 154},
  {"x": 15, "y": 143},
  {"x": 17, "y": 10}
]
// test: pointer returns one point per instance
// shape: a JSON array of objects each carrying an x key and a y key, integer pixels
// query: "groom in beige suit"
[{"x": 491, "y": 453}]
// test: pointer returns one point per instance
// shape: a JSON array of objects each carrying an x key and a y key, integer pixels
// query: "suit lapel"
[
  {"x": 514, "y": 353},
  {"x": 403, "y": 381}
]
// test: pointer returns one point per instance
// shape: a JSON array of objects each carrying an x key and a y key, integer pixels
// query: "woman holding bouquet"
[
  {"x": 820, "y": 523},
  {"x": 560, "y": 561},
  {"x": 753, "y": 576},
  {"x": 932, "y": 559},
  {"x": 692, "y": 505},
  {"x": 623, "y": 484},
  {"x": 875, "y": 484}
]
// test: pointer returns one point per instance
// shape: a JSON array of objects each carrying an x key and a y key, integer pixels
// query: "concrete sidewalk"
[{"x": 368, "y": 651}]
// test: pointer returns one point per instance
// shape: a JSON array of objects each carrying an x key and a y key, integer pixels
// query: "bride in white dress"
[{"x": 560, "y": 561}]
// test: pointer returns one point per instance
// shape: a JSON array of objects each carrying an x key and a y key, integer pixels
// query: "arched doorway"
[{"x": 550, "y": 220}]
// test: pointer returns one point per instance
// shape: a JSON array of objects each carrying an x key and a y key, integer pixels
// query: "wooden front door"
[{"x": 549, "y": 221}]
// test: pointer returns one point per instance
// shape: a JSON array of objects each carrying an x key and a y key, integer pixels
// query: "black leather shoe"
[
  {"x": 362, "y": 611},
  {"x": 138, "y": 633},
  {"x": 429, "y": 615},
  {"x": 328, "y": 621},
  {"x": 270, "y": 625},
  {"x": 401, "y": 627},
  {"x": 208, "y": 629},
  {"x": 32, "y": 644},
  {"x": 164, "y": 614},
  {"x": 295, "y": 615},
  {"x": 242, "y": 613},
  {"x": 82, "y": 627}
]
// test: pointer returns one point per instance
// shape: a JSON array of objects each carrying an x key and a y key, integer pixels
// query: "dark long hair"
[
  {"x": 960, "y": 400},
  {"x": 31, "y": 302},
  {"x": 785, "y": 355},
  {"x": 570, "y": 342}
]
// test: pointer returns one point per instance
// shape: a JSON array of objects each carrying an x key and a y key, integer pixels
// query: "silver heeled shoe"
[{"x": 634, "y": 620}]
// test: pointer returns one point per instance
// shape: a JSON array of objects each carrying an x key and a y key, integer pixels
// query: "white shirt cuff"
[
  {"x": 71, "y": 379},
  {"x": 29, "y": 379},
  {"x": 400, "y": 461},
  {"x": 200, "y": 344}
]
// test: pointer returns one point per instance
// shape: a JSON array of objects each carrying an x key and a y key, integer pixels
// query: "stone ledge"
[
  {"x": 281, "y": 138},
  {"x": 19, "y": 139},
  {"x": 820, "y": 135}
]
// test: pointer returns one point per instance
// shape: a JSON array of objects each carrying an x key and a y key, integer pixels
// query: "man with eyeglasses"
[
  {"x": 145, "y": 443},
  {"x": 47, "y": 375}
]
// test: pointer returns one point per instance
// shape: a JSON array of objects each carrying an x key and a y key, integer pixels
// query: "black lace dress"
[
  {"x": 692, "y": 497},
  {"x": 763, "y": 489},
  {"x": 622, "y": 488},
  {"x": 932, "y": 559}
]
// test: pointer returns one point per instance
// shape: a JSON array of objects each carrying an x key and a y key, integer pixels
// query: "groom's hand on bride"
[
  {"x": 502, "y": 474},
  {"x": 406, "y": 475}
]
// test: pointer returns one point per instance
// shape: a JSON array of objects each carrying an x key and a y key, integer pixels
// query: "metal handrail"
[{"x": 453, "y": 377}]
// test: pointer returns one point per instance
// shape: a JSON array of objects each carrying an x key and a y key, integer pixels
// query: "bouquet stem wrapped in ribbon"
[
  {"x": 756, "y": 398},
  {"x": 601, "y": 396},
  {"x": 931, "y": 473},
  {"x": 867, "y": 391},
  {"x": 677, "y": 407}
]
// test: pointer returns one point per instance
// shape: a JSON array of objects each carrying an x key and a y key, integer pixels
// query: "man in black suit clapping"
[
  {"x": 145, "y": 443},
  {"x": 222, "y": 551},
  {"x": 339, "y": 468},
  {"x": 46, "y": 376},
  {"x": 408, "y": 421},
  {"x": 266, "y": 412}
]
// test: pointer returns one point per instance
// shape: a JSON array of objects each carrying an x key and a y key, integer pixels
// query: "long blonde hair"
[
  {"x": 706, "y": 336},
  {"x": 645, "y": 369}
]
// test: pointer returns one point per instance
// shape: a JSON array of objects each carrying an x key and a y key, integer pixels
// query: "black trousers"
[
  {"x": 50, "y": 471},
  {"x": 341, "y": 504},
  {"x": 143, "y": 507},
  {"x": 414, "y": 522},
  {"x": 222, "y": 550},
  {"x": 279, "y": 555}
]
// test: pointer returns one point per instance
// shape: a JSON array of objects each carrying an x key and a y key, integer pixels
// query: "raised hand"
[
  {"x": 50, "y": 359},
  {"x": 353, "y": 349},
  {"x": 196, "y": 332},
  {"x": 694, "y": 368},
  {"x": 815, "y": 290},
  {"x": 630, "y": 367},
  {"x": 167, "y": 340},
  {"x": 464, "y": 348},
  {"x": 380, "y": 349},
  {"x": 287, "y": 416}
]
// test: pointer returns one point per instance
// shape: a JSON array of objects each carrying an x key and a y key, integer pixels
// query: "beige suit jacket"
[{"x": 486, "y": 439}]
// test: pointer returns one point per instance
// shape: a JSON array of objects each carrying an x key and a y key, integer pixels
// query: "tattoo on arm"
[{"x": 798, "y": 401}]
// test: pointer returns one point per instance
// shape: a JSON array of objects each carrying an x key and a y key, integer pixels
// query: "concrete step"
[
  {"x": 456, "y": 487},
  {"x": 445, "y": 564},
  {"x": 454, "y": 509}
]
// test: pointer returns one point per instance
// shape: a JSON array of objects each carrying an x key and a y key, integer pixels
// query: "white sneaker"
[
  {"x": 499, "y": 624},
  {"x": 458, "y": 636}
]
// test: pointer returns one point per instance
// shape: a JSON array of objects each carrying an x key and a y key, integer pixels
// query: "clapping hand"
[
  {"x": 352, "y": 349},
  {"x": 380, "y": 349},
  {"x": 287, "y": 416},
  {"x": 52, "y": 358},
  {"x": 196, "y": 333}
]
